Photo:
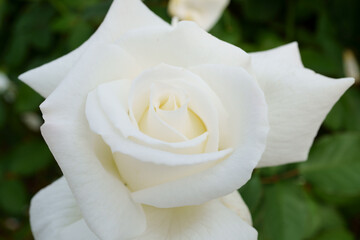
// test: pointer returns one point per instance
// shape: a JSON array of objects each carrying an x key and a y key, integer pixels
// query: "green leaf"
[
  {"x": 345, "y": 115},
  {"x": 27, "y": 100},
  {"x": 2, "y": 114},
  {"x": 261, "y": 10},
  {"x": 307, "y": 8},
  {"x": 96, "y": 12},
  {"x": 252, "y": 193},
  {"x": 227, "y": 29},
  {"x": 23, "y": 233},
  {"x": 333, "y": 166},
  {"x": 28, "y": 158},
  {"x": 335, "y": 234},
  {"x": 314, "y": 221},
  {"x": 33, "y": 26},
  {"x": 269, "y": 40},
  {"x": 320, "y": 62},
  {"x": 16, "y": 51},
  {"x": 2, "y": 12},
  {"x": 79, "y": 34},
  {"x": 330, "y": 218},
  {"x": 285, "y": 213},
  {"x": 12, "y": 196},
  {"x": 77, "y": 4},
  {"x": 62, "y": 25},
  {"x": 271, "y": 171}
]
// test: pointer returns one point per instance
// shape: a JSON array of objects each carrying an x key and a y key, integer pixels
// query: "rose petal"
[
  {"x": 228, "y": 83},
  {"x": 175, "y": 111},
  {"x": 184, "y": 45},
  {"x": 86, "y": 161},
  {"x": 288, "y": 54},
  {"x": 204, "y": 12},
  {"x": 235, "y": 203},
  {"x": 209, "y": 221},
  {"x": 113, "y": 99},
  {"x": 142, "y": 166},
  {"x": 152, "y": 125},
  {"x": 242, "y": 97},
  {"x": 100, "y": 124},
  {"x": 298, "y": 99},
  {"x": 141, "y": 175},
  {"x": 169, "y": 106},
  {"x": 202, "y": 100},
  {"x": 124, "y": 15},
  {"x": 92, "y": 183},
  {"x": 54, "y": 214}
]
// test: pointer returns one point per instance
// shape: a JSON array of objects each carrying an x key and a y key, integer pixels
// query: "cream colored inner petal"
[
  {"x": 153, "y": 126},
  {"x": 141, "y": 166},
  {"x": 100, "y": 123},
  {"x": 185, "y": 121},
  {"x": 113, "y": 99},
  {"x": 171, "y": 104},
  {"x": 169, "y": 118}
]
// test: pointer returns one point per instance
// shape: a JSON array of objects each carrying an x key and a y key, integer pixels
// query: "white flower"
[
  {"x": 152, "y": 125},
  {"x": 7, "y": 88},
  {"x": 4, "y": 82},
  {"x": 32, "y": 120},
  {"x": 351, "y": 65},
  {"x": 204, "y": 12}
]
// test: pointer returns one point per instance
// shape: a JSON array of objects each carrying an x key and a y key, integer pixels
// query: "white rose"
[
  {"x": 152, "y": 125},
  {"x": 204, "y": 12}
]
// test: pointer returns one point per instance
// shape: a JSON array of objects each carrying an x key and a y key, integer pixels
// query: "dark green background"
[{"x": 315, "y": 200}]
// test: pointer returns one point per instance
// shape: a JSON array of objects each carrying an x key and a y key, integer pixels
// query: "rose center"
[
  {"x": 169, "y": 117},
  {"x": 169, "y": 103}
]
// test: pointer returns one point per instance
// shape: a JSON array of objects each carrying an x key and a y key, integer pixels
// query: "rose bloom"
[
  {"x": 204, "y": 12},
  {"x": 155, "y": 127}
]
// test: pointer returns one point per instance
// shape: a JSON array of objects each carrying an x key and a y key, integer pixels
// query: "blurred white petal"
[
  {"x": 206, "y": 13},
  {"x": 351, "y": 65}
]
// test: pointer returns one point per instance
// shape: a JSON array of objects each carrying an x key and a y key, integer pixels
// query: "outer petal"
[
  {"x": 124, "y": 15},
  {"x": 55, "y": 215},
  {"x": 209, "y": 221},
  {"x": 184, "y": 45},
  {"x": 298, "y": 101},
  {"x": 85, "y": 160},
  {"x": 204, "y": 12},
  {"x": 228, "y": 83},
  {"x": 287, "y": 54},
  {"x": 235, "y": 203},
  {"x": 245, "y": 102}
]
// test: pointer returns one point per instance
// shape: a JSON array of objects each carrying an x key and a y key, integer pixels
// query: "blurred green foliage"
[{"x": 315, "y": 200}]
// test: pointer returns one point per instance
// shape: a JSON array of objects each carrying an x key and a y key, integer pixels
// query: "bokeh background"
[{"x": 316, "y": 200}]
